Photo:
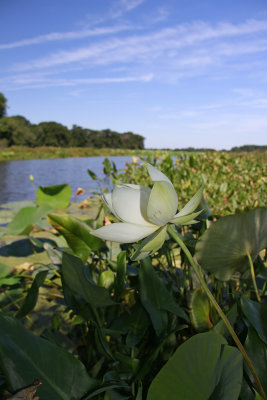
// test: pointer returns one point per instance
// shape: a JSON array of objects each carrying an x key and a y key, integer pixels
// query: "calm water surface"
[{"x": 14, "y": 175}]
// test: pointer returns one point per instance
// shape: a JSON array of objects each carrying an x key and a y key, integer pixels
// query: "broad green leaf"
[
  {"x": 200, "y": 310},
  {"x": 246, "y": 393},
  {"x": 156, "y": 298},
  {"x": 77, "y": 234},
  {"x": 76, "y": 276},
  {"x": 223, "y": 248},
  {"x": 4, "y": 270},
  {"x": 55, "y": 197},
  {"x": 257, "y": 352},
  {"x": 119, "y": 282},
  {"x": 202, "y": 368},
  {"x": 32, "y": 295},
  {"x": 137, "y": 323},
  {"x": 25, "y": 357},
  {"x": 220, "y": 327},
  {"x": 22, "y": 223},
  {"x": 9, "y": 281},
  {"x": 256, "y": 313}
]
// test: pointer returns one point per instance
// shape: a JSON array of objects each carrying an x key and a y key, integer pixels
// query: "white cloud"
[
  {"x": 58, "y": 36},
  {"x": 39, "y": 81},
  {"x": 124, "y": 6},
  {"x": 194, "y": 43}
]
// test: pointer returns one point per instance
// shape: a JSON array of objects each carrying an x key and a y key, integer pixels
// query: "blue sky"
[{"x": 180, "y": 73}]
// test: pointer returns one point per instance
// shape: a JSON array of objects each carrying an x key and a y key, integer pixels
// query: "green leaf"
[
  {"x": 119, "y": 282},
  {"x": 104, "y": 387},
  {"x": 202, "y": 368},
  {"x": 193, "y": 203},
  {"x": 76, "y": 276},
  {"x": 256, "y": 313},
  {"x": 257, "y": 352},
  {"x": 107, "y": 166},
  {"x": 77, "y": 234},
  {"x": 200, "y": 310},
  {"x": 22, "y": 223},
  {"x": 56, "y": 197},
  {"x": 4, "y": 270},
  {"x": 223, "y": 248},
  {"x": 12, "y": 280},
  {"x": 232, "y": 315},
  {"x": 92, "y": 175},
  {"x": 106, "y": 279},
  {"x": 156, "y": 298},
  {"x": 137, "y": 323},
  {"x": 32, "y": 295},
  {"x": 25, "y": 357}
]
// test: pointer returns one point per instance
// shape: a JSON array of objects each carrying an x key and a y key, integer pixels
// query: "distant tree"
[
  {"x": 132, "y": 141},
  {"x": 248, "y": 148},
  {"x": 55, "y": 134},
  {"x": 79, "y": 136},
  {"x": 16, "y": 131},
  {"x": 3, "y": 102}
]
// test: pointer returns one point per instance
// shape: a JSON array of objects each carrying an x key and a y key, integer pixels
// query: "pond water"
[{"x": 15, "y": 184}]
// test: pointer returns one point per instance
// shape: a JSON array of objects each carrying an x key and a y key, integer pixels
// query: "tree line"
[{"x": 17, "y": 130}]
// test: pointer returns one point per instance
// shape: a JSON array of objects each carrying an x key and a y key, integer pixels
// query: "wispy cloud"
[
  {"x": 124, "y": 6},
  {"x": 60, "y": 36},
  {"x": 196, "y": 41},
  {"x": 39, "y": 81}
]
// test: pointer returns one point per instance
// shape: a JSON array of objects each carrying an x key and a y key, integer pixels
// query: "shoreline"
[{"x": 16, "y": 153}]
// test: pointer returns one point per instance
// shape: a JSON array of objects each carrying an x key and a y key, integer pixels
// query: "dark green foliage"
[
  {"x": 25, "y": 357},
  {"x": 16, "y": 131},
  {"x": 3, "y": 102},
  {"x": 248, "y": 148},
  {"x": 106, "y": 138},
  {"x": 19, "y": 131},
  {"x": 206, "y": 360},
  {"x": 55, "y": 134}
]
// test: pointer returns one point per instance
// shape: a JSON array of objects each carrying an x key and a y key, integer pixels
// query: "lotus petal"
[
  {"x": 192, "y": 204},
  {"x": 122, "y": 232},
  {"x": 162, "y": 204},
  {"x": 130, "y": 204},
  {"x": 107, "y": 198},
  {"x": 156, "y": 240},
  {"x": 157, "y": 175},
  {"x": 185, "y": 219},
  {"x": 150, "y": 244}
]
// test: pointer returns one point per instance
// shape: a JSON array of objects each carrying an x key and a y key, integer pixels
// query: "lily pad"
[
  {"x": 202, "y": 368},
  {"x": 57, "y": 196},
  {"x": 223, "y": 248}
]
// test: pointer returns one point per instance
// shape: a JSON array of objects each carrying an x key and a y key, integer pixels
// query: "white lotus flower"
[{"x": 144, "y": 213}]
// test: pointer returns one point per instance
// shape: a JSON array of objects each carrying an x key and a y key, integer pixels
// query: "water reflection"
[{"x": 16, "y": 185}]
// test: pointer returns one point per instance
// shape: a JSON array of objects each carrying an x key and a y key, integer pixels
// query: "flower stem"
[
  {"x": 202, "y": 282},
  {"x": 253, "y": 277}
]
